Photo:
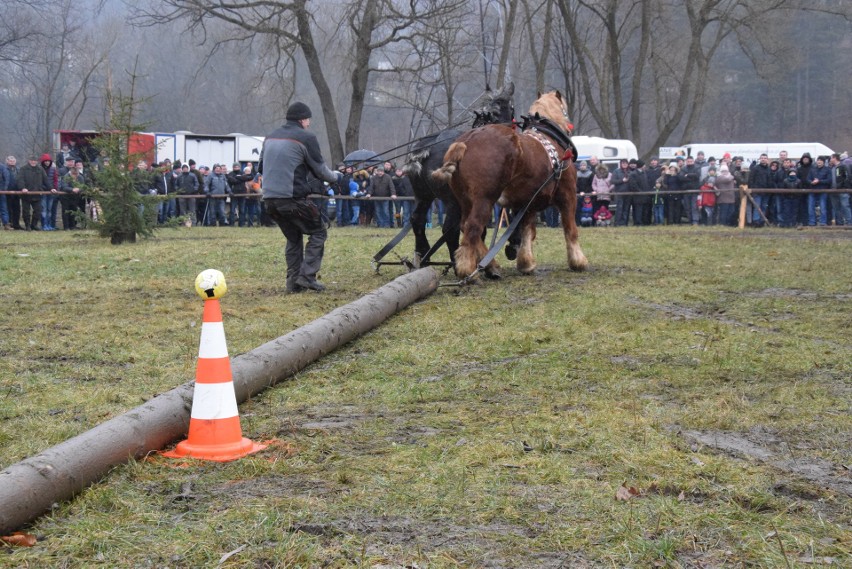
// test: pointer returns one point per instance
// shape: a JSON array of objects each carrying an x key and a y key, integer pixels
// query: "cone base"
[{"x": 218, "y": 453}]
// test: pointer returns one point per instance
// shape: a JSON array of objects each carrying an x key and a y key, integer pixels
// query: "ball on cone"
[{"x": 210, "y": 284}]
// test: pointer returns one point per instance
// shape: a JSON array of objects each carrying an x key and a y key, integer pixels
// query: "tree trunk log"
[{"x": 30, "y": 488}]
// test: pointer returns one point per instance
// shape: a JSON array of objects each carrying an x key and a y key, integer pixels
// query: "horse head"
[
  {"x": 498, "y": 108},
  {"x": 502, "y": 104},
  {"x": 552, "y": 106}
]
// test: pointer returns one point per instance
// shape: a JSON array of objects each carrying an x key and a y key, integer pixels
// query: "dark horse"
[
  {"x": 427, "y": 156},
  {"x": 496, "y": 164}
]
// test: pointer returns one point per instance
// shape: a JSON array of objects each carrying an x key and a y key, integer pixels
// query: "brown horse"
[{"x": 497, "y": 164}]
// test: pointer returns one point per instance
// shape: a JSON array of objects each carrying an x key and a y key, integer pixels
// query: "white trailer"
[
  {"x": 208, "y": 149},
  {"x": 610, "y": 151},
  {"x": 249, "y": 147}
]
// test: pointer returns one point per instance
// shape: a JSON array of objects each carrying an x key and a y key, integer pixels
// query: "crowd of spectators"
[
  {"x": 192, "y": 194},
  {"x": 696, "y": 190},
  {"x": 686, "y": 190}
]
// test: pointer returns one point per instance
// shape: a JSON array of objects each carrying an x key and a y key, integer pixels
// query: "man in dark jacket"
[
  {"x": 32, "y": 178},
  {"x": 187, "y": 185},
  {"x": 690, "y": 179},
  {"x": 404, "y": 189},
  {"x": 639, "y": 183},
  {"x": 621, "y": 183},
  {"x": 288, "y": 154},
  {"x": 653, "y": 172},
  {"x": 237, "y": 179},
  {"x": 760, "y": 177},
  {"x": 382, "y": 187},
  {"x": 839, "y": 181},
  {"x": 164, "y": 183},
  {"x": 818, "y": 178}
]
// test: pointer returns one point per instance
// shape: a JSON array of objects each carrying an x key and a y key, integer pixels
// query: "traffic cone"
[{"x": 214, "y": 424}]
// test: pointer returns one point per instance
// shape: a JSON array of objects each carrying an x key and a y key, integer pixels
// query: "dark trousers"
[
  {"x": 13, "y": 203},
  {"x": 71, "y": 204},
  {"x": 790, "y": 210},
  {"x": 31, "y": 209},
  {"x": 297, "y": 218},
  {"x": 674, "y": 211},
  {"x": 623, "y": 204},
  {"x": 727, "y": 214},
  {"x": 641, "y": 213},
  {"x": 238, "y": 208}
]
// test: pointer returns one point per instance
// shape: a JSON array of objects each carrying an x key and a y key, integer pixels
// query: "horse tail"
[{"x": 451, "y": 161}]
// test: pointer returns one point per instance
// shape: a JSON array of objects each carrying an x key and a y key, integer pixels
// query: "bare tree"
[
  {"x": 372, "y": 25},
  {"x": 496, "y": 29},
  {"x": 538, "y": 21},
  {"x": 18, "y": 27},
  {"x": 56, "y": 71},
  {"x": 656, "y": 55}
]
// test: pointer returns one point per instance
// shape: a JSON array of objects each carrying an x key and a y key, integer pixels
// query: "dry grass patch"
[{"x": 489, "y": 426}]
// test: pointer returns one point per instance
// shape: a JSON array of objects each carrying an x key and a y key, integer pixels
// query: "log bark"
[{"x": 31, "y": 487}]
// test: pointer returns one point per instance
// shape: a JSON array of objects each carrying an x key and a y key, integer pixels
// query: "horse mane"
[
  {"x": 548, "y": 114},
  {"x": 551, "y": 106}
]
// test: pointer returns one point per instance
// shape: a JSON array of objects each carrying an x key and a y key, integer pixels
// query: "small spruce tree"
[{"x": 119, "y": 187}]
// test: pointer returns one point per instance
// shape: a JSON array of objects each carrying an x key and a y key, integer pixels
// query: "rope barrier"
[{"x": 411, "y": 198}]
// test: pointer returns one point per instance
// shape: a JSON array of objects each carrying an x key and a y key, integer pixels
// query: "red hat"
[
  {"x": 726, "y": 156},
  {"x": 45, "y": 157}
]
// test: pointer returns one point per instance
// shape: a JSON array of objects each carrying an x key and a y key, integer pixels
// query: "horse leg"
[
  {"x": 418, "y": 227},
  {"x": 451, "y": 229},
  {"x": 514, "y": 242},
  {"x": 526, "y": 261},
  {"x": 576, "y": 259},
  {"x": 472, "y": 249}
]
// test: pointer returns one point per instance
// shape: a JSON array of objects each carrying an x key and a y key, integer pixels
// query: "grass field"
[{"x": 684, "y": 403}]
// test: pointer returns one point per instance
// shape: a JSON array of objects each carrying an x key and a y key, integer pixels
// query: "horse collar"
[{"x": 550, "y": 129}]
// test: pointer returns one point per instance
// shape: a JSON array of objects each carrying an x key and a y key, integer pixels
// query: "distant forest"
[{"x": 378, "y": 73}]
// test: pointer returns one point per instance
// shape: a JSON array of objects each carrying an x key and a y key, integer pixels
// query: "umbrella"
[{"x": 362, "y": 157}]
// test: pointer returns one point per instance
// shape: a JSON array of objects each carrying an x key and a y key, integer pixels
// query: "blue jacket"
[
  {"x": 822, "y": 175},
  {"x": 4, "y": 178},
  {"x": 216, "y": 185},
  {"x": 288, "y": 154}
]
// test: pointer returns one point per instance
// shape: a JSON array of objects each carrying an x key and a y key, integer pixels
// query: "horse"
[
  {"x": 497, "y": 164},
  {"x": 427, "y": 156}
]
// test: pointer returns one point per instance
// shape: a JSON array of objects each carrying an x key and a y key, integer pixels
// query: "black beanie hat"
[{"x": 298, "y": 111}]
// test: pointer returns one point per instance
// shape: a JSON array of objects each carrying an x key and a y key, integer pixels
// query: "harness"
[
  {"x": 545, "y": 126},
  {"x": 555, "y": 161}
]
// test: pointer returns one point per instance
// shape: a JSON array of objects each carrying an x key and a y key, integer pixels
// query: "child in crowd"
[
  {"x": 586, "y": 212},
  {"x": 603, "y": 217},
  {"x": 707, "y": 197}
]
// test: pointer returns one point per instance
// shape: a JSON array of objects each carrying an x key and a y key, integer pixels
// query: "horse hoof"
[
  {"x": 511, "y": 252},
  {"x": 493, "y": 275}
]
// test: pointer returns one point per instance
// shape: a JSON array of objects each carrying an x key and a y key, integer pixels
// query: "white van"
[
  {"x": 608, "y": 150},
  {"x": 750, "y": 151}
]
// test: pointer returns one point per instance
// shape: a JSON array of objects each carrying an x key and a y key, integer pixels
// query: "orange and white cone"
[{"x": 214, "y": 424}]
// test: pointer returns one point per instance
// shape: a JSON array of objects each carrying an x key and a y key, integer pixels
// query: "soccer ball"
[{"x": 210, "y": 284}]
